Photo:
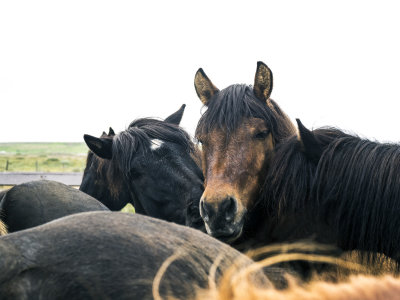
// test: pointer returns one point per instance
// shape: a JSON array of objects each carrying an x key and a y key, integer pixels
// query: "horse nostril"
[
  {"x": 205, "y": 210},
  {"x": 229, "y": 207}
]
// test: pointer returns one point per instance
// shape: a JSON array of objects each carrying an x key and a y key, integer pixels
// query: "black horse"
[
  {"x": 155, "y": 162},
  {"x": 112, "y": 255},
  {"x": 37, "y": 202},
  {"x": 356, "y": 193},
  {"x": 332, "y": 187}
]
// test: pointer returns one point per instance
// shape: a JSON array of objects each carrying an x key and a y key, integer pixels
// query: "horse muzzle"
[{"x": 222, "y": 219}]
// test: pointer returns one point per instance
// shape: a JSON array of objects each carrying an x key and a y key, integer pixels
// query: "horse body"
[
  {"x": 153, "y": 162},
  {"x": 105, "y": 255},
  {"x": 37, "y": 202},
  {"x": 238, "y": 132}
]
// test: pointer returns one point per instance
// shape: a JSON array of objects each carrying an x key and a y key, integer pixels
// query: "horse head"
[
  {"x": 154, "y": 159},
  {"x": 238, "y": 134}
]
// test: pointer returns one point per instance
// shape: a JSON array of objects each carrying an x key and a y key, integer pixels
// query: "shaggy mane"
[
  {"x": 287, "y": 186},
  {"x": 227, "y": 109},
  {"x": 135, "y": 141},
  {"x": 366, "y": 175}
]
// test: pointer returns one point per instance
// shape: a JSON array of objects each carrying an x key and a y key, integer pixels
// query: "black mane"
[
  {"x": 289, "y": 180},
  {"x": 230, "y": 105},
  {"x": 366, "y": 175},
  {"x": 136, "y": 140},
  {"x": 350, "y": 196}
]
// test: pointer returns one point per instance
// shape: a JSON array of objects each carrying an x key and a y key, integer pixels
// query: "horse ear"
[
  {"x": 102, "y": 147},
  {"x": 176, "y": 117},
  {"x": 311, "y": 148},
  {"x": 263, "y": 82},
  {"x": 205, "y": 89},
  {"x": 111, "y": 132}
]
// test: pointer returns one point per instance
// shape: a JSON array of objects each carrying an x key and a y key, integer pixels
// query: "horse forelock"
[
  {"x": 227, "y": 110},
  {"x": 164, "y": 131},
  {"x": 135, "y": 142}
]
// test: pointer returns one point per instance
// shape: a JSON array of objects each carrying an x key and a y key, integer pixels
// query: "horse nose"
[
  {"x": 228, "y": 207},
  {"x": 206, "y": 210}
]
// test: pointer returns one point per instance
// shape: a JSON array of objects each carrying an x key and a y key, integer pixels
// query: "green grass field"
[
  {"x": 43, "y": 148},
  {"x": 45, "y": 157}
]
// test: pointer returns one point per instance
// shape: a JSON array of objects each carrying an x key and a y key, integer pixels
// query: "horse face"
[
  {"x": 233, "y": 165},
  {"x": 238, "y": 131},
  {"x": 166, "y": 179},
  {"x": 156, "y": 164}
]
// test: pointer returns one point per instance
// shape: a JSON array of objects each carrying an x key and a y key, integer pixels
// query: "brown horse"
[{"x": 238, "y": 133}]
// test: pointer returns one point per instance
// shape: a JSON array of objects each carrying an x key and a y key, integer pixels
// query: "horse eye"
[{"x": 261, "y": 135}]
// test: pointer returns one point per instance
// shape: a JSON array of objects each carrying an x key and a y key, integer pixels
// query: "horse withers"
[
  {"x": 238, "y": 133},
  {"x": 155, "y": 161}
]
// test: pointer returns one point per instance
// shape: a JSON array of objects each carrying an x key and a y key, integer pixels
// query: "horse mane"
[
  {"x": 287, "y": 185},
  {"x": 229, "y": 106},
  {"x": 89, "y": 159},
  {"x": 357, "y": 188},
  {"x": 101, "y": 167},
  {"x": 136, "y": 140}
]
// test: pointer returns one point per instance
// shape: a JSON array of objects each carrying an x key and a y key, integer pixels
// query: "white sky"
[{"x": 74, "y": 67}]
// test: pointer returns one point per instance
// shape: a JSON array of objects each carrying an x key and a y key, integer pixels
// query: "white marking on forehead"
[{"x": 155, "y": 144}]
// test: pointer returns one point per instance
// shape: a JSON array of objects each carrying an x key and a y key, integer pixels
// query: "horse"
[
  {"x": 115, "y": 255},
  {"x": 238, "y": 134},
  {"x": 335, "y": 188},
  {"x": 356, "y": 194},
  {"x": 154, "y": 161},
  {"x": 37, "y": 202}
]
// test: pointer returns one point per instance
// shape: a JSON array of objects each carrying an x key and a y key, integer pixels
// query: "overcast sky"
[{"x": 74, "y": 67}]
